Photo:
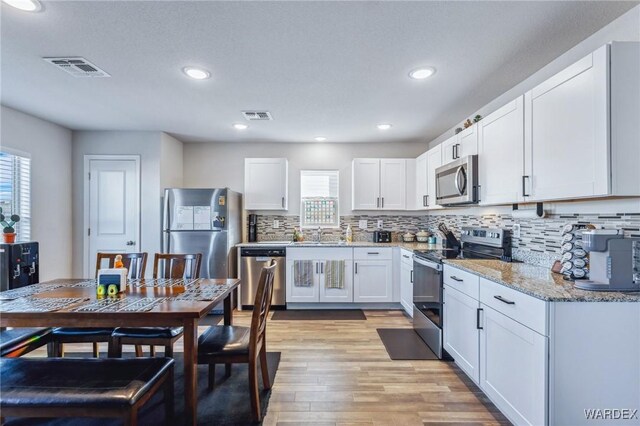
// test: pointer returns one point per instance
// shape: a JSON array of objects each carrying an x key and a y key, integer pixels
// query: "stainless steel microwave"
[{"x": 457, "y": 182}]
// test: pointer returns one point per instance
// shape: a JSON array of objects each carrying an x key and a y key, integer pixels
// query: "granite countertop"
[
  {"x": 536, "y": 281},
  {"x": 406, "y": 246}
]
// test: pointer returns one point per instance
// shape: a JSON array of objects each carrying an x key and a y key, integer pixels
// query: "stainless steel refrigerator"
[{"x": 206, "y": 221}]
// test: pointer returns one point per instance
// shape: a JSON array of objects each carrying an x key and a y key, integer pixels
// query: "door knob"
[{"x": 131, "y": 243}]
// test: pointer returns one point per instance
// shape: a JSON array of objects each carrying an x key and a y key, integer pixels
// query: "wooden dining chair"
[
  {"x": 230, "y": 344},
  {"x": 136, "y": 263},
  {"x": 165, "y": 265}
]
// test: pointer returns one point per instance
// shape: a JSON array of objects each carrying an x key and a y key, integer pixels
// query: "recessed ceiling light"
[
  {"x": 196, "y": 73},
  {"x": 240, "y": 126},
  {"x": 384, "y": 126},
  {"x": 26, "y": 5},
  {"x": 320, "y": 139},
  {"x": 422, "y": 73}
]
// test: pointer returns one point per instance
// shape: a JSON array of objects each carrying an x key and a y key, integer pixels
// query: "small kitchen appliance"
[
  {"x": 477, "y": 243},
  {"x": 252, "y": 260},
  {"x": 614, "y": 261},
  {"x": 253, "y": 228},
  {"x": 381, "y": 236}
]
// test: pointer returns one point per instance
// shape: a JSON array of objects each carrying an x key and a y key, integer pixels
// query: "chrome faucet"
[{"x": 319, "y": 234}]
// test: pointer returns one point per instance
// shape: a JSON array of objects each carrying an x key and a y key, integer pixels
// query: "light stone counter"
[{"x": 536, "y": 281}]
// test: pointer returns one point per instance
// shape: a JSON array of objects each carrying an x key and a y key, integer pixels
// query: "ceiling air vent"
[
  {"x": 77, "y": 67},
  {"x": 257, "y": 115}
]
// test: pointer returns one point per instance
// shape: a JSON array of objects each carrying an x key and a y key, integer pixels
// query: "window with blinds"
[
  {"x": 319, "y": 193},
  {"x": 15, "y": 191}
]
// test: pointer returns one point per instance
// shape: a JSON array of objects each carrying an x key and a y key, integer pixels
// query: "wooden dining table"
[{"x": 145, "y": 303}]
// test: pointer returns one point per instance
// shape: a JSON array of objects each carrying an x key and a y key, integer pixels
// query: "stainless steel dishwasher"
[{"x": 252, "y": 260}]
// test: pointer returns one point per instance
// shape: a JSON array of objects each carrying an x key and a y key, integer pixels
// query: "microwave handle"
[{"x": 456, "y": 180}]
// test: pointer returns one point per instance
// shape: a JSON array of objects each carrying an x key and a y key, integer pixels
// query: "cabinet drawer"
[
  {"x": 406, "y": 257},
  {"x": 462, "y": 281},
  {"x": 373, "y": 253},
  {"x": 525, "y": 309}
]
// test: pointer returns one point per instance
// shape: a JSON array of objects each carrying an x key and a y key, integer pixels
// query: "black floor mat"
[
  {"x": 405, "y": 344},
  {"x": 227, "y": 404},
  {"x": 320, "y": 314}
]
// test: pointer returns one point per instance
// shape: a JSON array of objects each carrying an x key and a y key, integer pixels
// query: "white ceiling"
[{"x": 334, "y": 69}]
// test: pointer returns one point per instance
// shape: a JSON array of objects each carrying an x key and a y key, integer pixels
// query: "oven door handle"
[{"x": 427, "y": 263}]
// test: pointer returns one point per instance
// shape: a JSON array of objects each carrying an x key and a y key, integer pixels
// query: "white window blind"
[
  {"x": 15, "y": 191},
  {"x": 319, "y": 195}
]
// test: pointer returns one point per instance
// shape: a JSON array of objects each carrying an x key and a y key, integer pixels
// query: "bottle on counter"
[{"x": 349, "y": 234}]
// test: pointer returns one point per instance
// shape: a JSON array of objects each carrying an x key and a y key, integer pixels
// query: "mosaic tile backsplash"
[{"x": 539, "y": 242}]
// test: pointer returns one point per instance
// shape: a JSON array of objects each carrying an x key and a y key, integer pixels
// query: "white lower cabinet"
[
  {"x": 461, "y": 338},
  {"x": 406, "y": 281},
  {"x": 513, "y": 368},
  {"x": 508, "y": 360},
  {"x": 373, "y": 281},
  {"x": 320, "y": 291}
]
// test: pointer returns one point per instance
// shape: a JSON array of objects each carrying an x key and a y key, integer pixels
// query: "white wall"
[
  {"x": 50, "y": 148},
  {"x": 222, "y": 164},
  {"x": 171, "y": 162},
  {"x": 145, "y": 144},
  {"x": 625, "y": 28}
]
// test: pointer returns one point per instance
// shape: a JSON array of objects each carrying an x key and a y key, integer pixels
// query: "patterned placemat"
[
  {"x": 165, "y": 282},
  {"x": 203, "y": 292},
  {"x": 30, "y": 290},
  {"x": 34, "y": 304},
  {"x": 122, "y": 305}
]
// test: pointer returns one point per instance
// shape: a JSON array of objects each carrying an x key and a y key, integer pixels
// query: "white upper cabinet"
[
  {"x": 458, "y": 146},
  {"x": 266, "y": 183},
  {"x": 448, "y": 149},
  {"x": 421, "y": 182},
  {"x": 582, "y": 127},
  {"x": 393, "y": 181},
  {"x": 467, "y": 142},
  {"x": 500, "y": 154},
  {"x": 366, "y": 184},
  {"x": 434, "y": 160},
  {"x": 379, "y": 184}
]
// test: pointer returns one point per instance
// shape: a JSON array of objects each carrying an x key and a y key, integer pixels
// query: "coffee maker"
[
  {"x": 253, "y": 228},
  {"x": 614, "y": 261}
]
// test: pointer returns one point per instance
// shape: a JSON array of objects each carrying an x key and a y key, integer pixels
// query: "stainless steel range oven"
[
  {"x": 477, "y": 243},
  {"x": 427, "y": 301}
]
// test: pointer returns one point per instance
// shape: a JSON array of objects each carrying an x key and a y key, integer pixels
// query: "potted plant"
[{"x": 8, "y": 231}]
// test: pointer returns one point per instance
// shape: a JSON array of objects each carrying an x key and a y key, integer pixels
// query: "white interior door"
[{"x": 113, "y": 208}]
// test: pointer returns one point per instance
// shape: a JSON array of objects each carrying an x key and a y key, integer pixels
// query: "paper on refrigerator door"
[
  {"x": 184, "y": 217},
  {"x": 202, "y": 217}
]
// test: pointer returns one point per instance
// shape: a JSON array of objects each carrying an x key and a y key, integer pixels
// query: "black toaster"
[{"x": 381, "y": 236}]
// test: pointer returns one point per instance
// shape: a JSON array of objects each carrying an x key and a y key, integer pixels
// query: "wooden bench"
[{"x": 81, "y": 387}]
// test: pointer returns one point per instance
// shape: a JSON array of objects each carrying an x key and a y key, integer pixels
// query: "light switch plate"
[
  {"x": 380, "y": 223},
  {"x": 516, "y": 230},
  {"x": 276, "y": 224},
  {"x": 362, "y": 224}
]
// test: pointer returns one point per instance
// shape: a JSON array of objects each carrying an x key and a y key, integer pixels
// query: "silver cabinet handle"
[
  {"x": 478, "y": 318},
  {"x": 373, "y": 252},
  {"x": 378, "y": 202},
  {"x": 322, "y": 267},
  {"x": 131, "y": 243},
  {"x": 405, "y": 256},
  {"x": 356, "y": 265},
  {"x": 316, "y": 268},
  {"x": 411, "y": 276},
  {"x": 453, "y": 277},
  {"x": 427, "y": 200},
  {"x": 424, "y": 201},
  {"x": 282, "y": 202},
  {"x": 383, "y": 202}
]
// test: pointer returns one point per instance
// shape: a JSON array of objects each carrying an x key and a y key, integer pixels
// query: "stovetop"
[{"x": 452, "y": 253}]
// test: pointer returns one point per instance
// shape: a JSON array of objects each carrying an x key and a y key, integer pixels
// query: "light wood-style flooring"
[{"x": 338, "y": 373}]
